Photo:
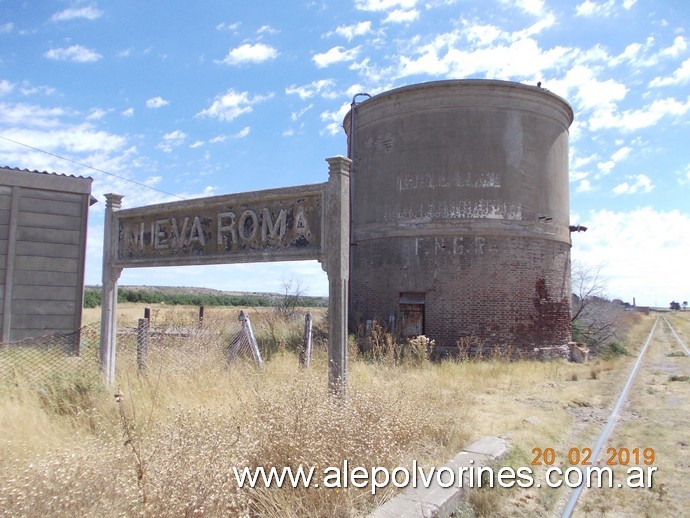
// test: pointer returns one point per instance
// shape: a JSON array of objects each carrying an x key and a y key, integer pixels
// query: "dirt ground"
[
  {"x": 654, "y": 421},
  {"x": 656, "y": 417}
]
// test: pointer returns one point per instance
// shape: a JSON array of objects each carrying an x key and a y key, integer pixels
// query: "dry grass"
[
  {"x": 192, "y": 418},
  {"x": 167, "y": 446}
]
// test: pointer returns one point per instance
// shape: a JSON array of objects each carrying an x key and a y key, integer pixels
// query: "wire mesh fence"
[
  {"x": 171, "y": 347},
  {"x": 174, "y": 349},
  {"x": 35, "y": 359}
]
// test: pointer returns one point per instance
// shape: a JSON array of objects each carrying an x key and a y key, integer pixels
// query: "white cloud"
[
  {"x": 401, "y": 16},
  {"x": 351, "y": 31},
  {"x": 533, "y": 7},
  {"x": 197, "y": 144},
  {"x": 576, "y": 176},
  {"x": 384, "y": 5},
  {"x": 156, "y": 102},
  {"x": 97, "y": 114},
  {"x": 5, "y": 87},
  {"x": 591, "y": 8},
  {"x": 244, "y": 132},
  {"x": 267, "y": 29},
  {"x": 606, "y": 167},
  {"x": 232, "y": 27},
  {"x": 631, "y": 120},
  {"x": 584, "y": 186},
  {"x": 335, "y": 55},
  {"x": 28, "y": 89},
  {"x": 81, "y": 138},
  {"x": 218, "y": 139},
  {"x": 522, "y": 58},
  {"x": 231, "y": 104},
  {"x": 643, "y": 250},
  {"x": 6, "y": 28},
  {"x": 679, "y": 46},
  {"x": 641, "y": 55},
  {"x": 75, "y": 53},
  {"x": 172, "y": 140},
  {"x": 153, "y": 181},
  {"x": 684, "y": 176},
  {"x": 638, "y": 183},
  {"x": 578, "y": 162},
  {"x": 483, "y": 35},
  {"x": 89, "y": 13},
  {"x": 591, "y": 92},
  {"x": 544, "y": 22},
  {"x": 621, "y": 154},
  {"x": 627, "y": 4},
  {"x": 248, "y": 53},
  {"x": 488, "y": 51},
  {"x": 129, "y": 112},
  {"x": 334, "y": 119},
  {"x": 681, "y": 76},
  {"x": 30, "y": 115},
  {"x": 322, "y": 87},
  {"x": 295, "y": 116}
]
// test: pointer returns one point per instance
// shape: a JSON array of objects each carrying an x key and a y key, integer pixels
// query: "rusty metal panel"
[{"x": 275, "y": 225}]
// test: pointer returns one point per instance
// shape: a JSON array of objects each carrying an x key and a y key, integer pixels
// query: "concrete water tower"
[{"x": 460, "y": 212}]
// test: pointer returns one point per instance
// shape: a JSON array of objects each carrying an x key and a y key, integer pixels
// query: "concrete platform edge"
[{"x": 437, "y": 501}]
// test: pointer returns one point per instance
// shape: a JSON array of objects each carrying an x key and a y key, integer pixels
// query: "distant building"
[{"x": 43, "y": 221}]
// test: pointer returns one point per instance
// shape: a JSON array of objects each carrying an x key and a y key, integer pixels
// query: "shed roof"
[{"x": 43, "y": 180}]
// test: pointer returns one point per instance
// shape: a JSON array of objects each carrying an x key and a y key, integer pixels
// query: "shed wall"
[{"x": 42, "y": 253}]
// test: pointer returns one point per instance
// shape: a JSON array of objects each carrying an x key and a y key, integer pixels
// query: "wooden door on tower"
[{"x": 412, "y": 314}]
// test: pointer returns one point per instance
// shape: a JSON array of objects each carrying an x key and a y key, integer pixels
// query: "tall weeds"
[{"x": 168, "y": 442}]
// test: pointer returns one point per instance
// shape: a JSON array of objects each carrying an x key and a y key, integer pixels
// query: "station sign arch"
[{"x": 288, "y": 224}]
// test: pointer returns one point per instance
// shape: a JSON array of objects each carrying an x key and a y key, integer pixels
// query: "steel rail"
[
  {"x": 677, "y": 337},
  {"x": 572, "y": 502}
]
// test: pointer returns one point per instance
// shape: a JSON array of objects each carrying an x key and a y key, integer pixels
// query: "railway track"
[{"x": 647, "y": 433}]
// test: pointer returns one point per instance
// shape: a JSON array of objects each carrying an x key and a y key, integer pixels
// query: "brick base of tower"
[{"x": 508, "y": 293}]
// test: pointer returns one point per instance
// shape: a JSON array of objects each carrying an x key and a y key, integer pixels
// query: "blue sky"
[{"x": 214, "y": 97}]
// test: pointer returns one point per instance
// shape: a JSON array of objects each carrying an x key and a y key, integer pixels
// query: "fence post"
[
  {"x": 201, "y": 316},
  {"x": 305, "y": 353},
  {"x": 247, "y": 327},
  {"x": 142, "y": 344}
]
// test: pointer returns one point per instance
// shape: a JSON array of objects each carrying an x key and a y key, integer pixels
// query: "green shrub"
[{"x": 92, "y": 297}]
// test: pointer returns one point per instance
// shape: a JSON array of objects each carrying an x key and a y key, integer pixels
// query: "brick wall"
[{"x": 510, "y": 293}]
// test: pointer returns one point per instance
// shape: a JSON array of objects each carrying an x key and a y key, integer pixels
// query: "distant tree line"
[{"x": 92, "y": 298}]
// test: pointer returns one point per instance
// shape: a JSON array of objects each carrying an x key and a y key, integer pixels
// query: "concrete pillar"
[
  {"x": 336, "y": 263},
  {"x": 110, "y": 276}
]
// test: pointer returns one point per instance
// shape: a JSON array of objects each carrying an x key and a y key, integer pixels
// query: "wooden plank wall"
[{"x": 46, "y": 276}]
